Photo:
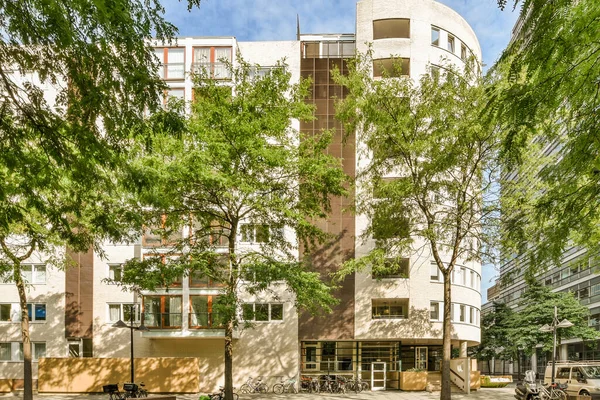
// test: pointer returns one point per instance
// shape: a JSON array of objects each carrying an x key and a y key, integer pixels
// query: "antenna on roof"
[{"x": 297, "y": 27}]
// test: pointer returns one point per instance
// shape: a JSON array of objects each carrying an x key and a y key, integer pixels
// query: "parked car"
[{"x": 582, "y": 377}]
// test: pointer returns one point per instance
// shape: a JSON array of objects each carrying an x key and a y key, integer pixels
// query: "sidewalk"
[{"x": 482, "y": 394}]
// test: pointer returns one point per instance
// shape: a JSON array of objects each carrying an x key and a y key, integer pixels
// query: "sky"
[{"x": 276, "y": 20}]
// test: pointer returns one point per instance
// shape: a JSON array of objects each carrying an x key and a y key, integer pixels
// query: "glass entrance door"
[
  {"x": 378, "y": 374},
  {"x": 421, "y": 358}
]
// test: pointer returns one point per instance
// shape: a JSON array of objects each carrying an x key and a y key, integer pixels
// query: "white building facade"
[{"x": 370, "y": 329}]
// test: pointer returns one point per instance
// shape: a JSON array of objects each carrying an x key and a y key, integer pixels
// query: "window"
[
  {"x": 115, "y": 272},
  {"x": 389, "y": 308},
  {"x": 173, "y": 95},
  {"x": 36, "y": 312},
  {"x": 473, "y": 280},
  {"x": 463, "y": 52},
  {"x": 252, "y": 233},
  {"x": 463, "y": 275},
  {"x": 212, "y": 61},
  {"x": 162, "y": 311},
  {"x": 450, "y": 46},
  {"x": 38, "y": 350},
  {"x": 462, "y": 315},
  {"x": 34, "y": 273},
  {"x": 435, "y": 272},
  {"x": 202, "y": 313},
  {"x": 5, "y": 312},
  {"x": 391, "y": 67},
  {"x": 392, "y": 268},
  {"x": 391, "y": 28},
  {"x": 122, "y": 311},
  {"x": 435, "y": 36},
  {"x": 595, "y": 289},
  {"x": 387, "y": 224},
  {"x": 172, "y": 63},
  {"x": 471, "y": 315},
  {"x": 5, "y": 352},
  {"x": 434, "y": 310},
  {"x": 262, "y": 312}
]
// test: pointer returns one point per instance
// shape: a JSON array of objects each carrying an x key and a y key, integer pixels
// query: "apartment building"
[{"x": 382, "y": 325}]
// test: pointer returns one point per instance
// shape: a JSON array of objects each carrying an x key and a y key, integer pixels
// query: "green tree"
[
  {"x": 495, "y": 334},
  {"x": 239, "y": 170},
  {"x": 548, "y": 94},
  {"x": 431, "y": 135},
  {"x": 536, "y": 309},
  {"x": 75, "y": 79}
]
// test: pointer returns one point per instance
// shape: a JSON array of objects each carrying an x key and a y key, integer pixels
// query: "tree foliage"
[
  {"x": 427, "y": 155},
  {"x": 239, "y": 172},
  {"x": 496, "y": 341},
  {"x": 547, "y": 96},
  {"x": 75, "y": 79}
]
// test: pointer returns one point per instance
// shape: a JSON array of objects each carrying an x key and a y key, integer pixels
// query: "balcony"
[
  {"x": 163, "y": 320},
  {"x": 172, "y": 71},
  {"x": 215, "y": 70},
  {"x": 204, "y": 320}
]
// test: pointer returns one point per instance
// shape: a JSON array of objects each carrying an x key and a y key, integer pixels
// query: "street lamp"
[
  {"x": 552, "y": 328},
  {"x": 131, "y": 327}
]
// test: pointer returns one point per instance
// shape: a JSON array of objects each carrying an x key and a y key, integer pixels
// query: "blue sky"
[{"x": 276, "y": 20}]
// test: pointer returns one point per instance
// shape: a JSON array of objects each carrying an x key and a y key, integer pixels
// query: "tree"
[
  {"x": 75, "y": 79},
  {"x": 536, "y": 309},
  {"x": 240, "y": 170},
  {"x": 548, "y": 94},
  {"x": 431, "y": 136},
  {"x": 495, "y": 337}
]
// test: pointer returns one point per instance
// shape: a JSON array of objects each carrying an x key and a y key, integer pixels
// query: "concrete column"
[
  {"x": 534, "y": 361},
  {"x": 463, "y": 349},
  {"x": 562, "y": 352}
]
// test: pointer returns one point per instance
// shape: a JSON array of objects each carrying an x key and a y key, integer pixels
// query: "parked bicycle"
[
  {"x": 133, "y": 390},
  {"x": 553, "y": 392},
  {"x": 356, "y": 385},
  {"x": 285, "y": 386},
  {"x": 113, "y": 392},
  {"x": 252, "y": 386},
  {"x": 309, "y": 384},
  {"x": 220, "y": 395}
]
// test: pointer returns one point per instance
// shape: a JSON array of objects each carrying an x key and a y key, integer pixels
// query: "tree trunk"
[
  {"x": 27, "y": 368},
  {"x": 229, "y": 360},
  {"x": 445, "y": 393}
]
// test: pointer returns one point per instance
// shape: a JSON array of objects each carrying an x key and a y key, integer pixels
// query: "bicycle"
[
  {"x": 113, "y": 392},
  {"x": 254, "y": 387},
  {"x": 553, "y": 392},
  {"x": 310, "y": 385},
  {"x": 287, "y": 386},
  {"x": 220, "y": 395},
  {"x": 133, "y": 390}
]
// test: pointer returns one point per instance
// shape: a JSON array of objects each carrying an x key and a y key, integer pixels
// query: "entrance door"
[
  {"x": 378, "y": 373},
  {"x": 421, "y": 358}
]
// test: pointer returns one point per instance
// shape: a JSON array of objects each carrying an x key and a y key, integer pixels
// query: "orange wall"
[{"x": 80, "y": 375}]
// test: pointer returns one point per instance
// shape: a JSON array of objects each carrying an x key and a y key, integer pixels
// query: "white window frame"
[
  {"x": 111, "y": 271},
  {"x": 137, "y": 317},
  {"x": 269, "y": 320},
  {"x": 35, "y": 276},
  {"x": 440, "y": 310},
  {"x": 17, "y": 352},
  {"x": 14, "y": 314},
  {"x": 253, "y": 233},
  {"x": 462, "y": 313},
  {"x": 33, "y": 318},
  {"x": 438, "y": 276}
]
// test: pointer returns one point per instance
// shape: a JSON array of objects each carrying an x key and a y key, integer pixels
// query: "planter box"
[
  {"x": 413, "y": 380},
  {"x": 6, "y": 385}
]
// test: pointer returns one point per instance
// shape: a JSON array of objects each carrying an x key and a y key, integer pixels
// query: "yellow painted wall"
[{"x": 80, "y": 375}]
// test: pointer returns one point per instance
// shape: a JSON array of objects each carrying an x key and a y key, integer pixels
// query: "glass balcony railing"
[
  {"x": 162, "y": 320},
  {"x": 205, "y": 320},
  {"x": 215, "y": 70}
]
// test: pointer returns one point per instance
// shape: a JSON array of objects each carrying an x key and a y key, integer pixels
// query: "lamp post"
[
  {"x": 131, "y": 327},
  {"x": 552, "y": 328}
]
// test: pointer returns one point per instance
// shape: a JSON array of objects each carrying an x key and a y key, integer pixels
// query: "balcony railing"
[
  {"x": 162, "y": 320},
  {"x": 215, "y": 70},
  {"x": 205, "y": 320}
]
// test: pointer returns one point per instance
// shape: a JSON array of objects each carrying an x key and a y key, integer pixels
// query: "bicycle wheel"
[
  {"x": 245, "y": 389},
  {"x": 262, "y": 388},
  {"x": 558, "y": 395},
  {"x": 236, "y": 396},
  {"x": 364, "y": 386},
  {"x": 278, "y": 388},
  {"x": 143, "y": 393}
]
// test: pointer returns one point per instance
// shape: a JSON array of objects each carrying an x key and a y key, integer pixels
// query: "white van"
[{"x": 582, "y": 377}]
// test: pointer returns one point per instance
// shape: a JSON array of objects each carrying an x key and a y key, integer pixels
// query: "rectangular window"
[
  {"x": 450, "y": 47},
  {"x": 389, "y": 308},
  {"x": 391, "y": 28},
  {"x": 471, "y": 315},
  {"x": 173, "y": 95},
  {"x": 463, "y": 52},
  {"x": 202, "y": 314},
  {"x": 262, "y": 312},
  {"x": 162, "y": 311},
  {"x": 212, "y": 61},
  {"x": 34, "y": 273},
  {"x": 5, "y": 312},
  {"x": 435, "y": 272},
  {"x": 252, "y": 233},
  {"x": 434, "y": 310},
  {"x": 36, "y": 312},
  {"x": 115, "y": 272},
  {"x": 435, "y": 36},
  {"x": 393, "y": 268},
  {"x": 473, "y": 280},
  {"x": 172, "y": 63},
  {"x": 38, "y": 350},
  {"x": 122, "y": 311},
  {"x": 462, "y": 309},
  {"x": 463, "y": 274},
  {"x": 5, "y": 351},
  {"x": 391, "y": 67}
]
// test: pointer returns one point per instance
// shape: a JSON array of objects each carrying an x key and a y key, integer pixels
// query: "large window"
[
  {"x": 5, "y": 351},
  {"x": 252, "y": 233},
  {"x": 34, "y": 273},
  {"x": 391, "y": 28},
  {"x": 172, "y": 62},
  {"x": 435, "y": 36},
  {"x": 38, "y": 350},
  {"x": 434, "y": 311},
  {"x": 435, "y": 274},
  {"x": 212, "y": 61},
  {"x": 451, "y": 44},
  {"x": 115, "y": 272},
  {"x": 162, "y": 311},
  {"x": 389, "y": 308},
  {"x": 392, "y": 268},
  {"x": 391, "y": 67},
  {"x": 262, "y": 312},
  {"x": 202, "y": 314},
  {"x": 123, "y": 312},
  {"x": 36, "y": 312}
]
